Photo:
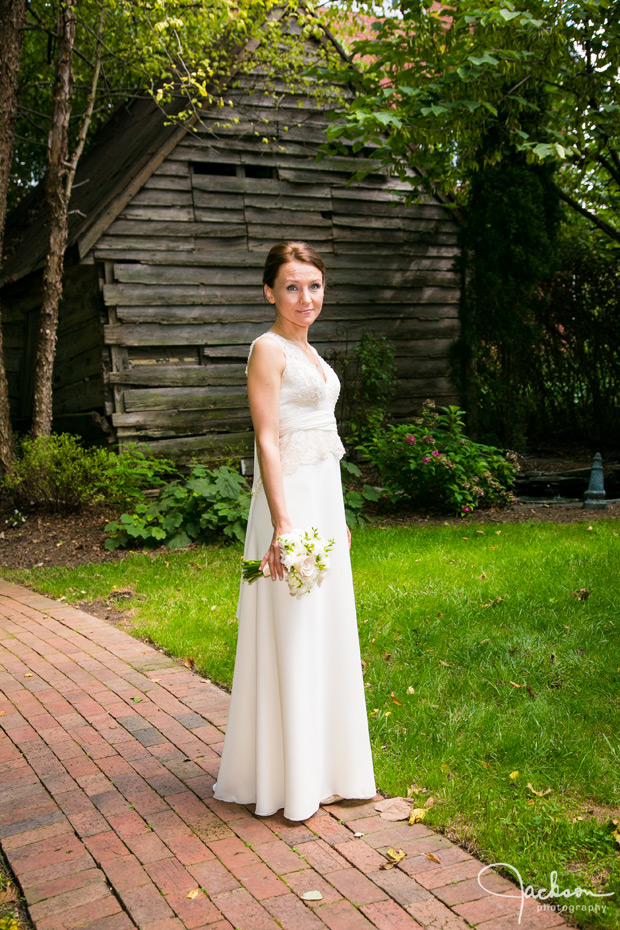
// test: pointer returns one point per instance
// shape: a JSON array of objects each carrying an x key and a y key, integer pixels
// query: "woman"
[{"x": 297, "y": 732}]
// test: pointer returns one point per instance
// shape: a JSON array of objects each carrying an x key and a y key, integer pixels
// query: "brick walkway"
[{"x": 108, "y": 754}]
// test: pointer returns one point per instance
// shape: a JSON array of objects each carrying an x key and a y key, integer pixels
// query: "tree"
[
  {"x": 453, "y": 88},
  {"x": 12, "y": 21},
  {"x": 181, "y": 51}
]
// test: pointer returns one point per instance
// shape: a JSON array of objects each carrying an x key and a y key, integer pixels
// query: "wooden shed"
[{"x": 162, "y": 294}]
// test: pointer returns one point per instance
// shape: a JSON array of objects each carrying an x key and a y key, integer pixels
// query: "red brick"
[
  {"x": 252, "y": 831},
  {"x": 125, "y": 872},
  {"x": 280, "y": 857},
  {"x": 148, "y": 847},
  {"x": 128, "y": 825},
  {"x": 80, "y": 916},
  {"x": 401, "y": 887},
  {"x": 467, "y": 890},
  {"x": 400, "y": 834},
  {"x": 453, "y": 872},
  {"x": 388, "y": 915},
  {"x": 194, "y": 912},
  {"x": 361, "y": 855},
  {"x": 54, "y": 849},
  {"x": 60, "y": 869},
  {"x": 213, "y": 877},
  {"x": 343, "y": 916},
  {"x": 355, "y": 887},
  {"x": 88, "y": 824},
  {"x": 330, "y": 830},
  {"x": 189, "y": 849},
  {"x": 169, "y": 876},
  {"x": 233, "y": 853},
  {"x": 374, "y": 824},
  {"x": 289, "y": 831},
  {"x": 489, "y": 907},
  {"x": 104, "y": 846},
  {"x": 166, "y": 923},
  {"x": 541, "y": 920},
  {"x": 117, "y": 922},
  {"x": 291, "y": 913},
  {"x": 59, "y": 886},
  {"x": 261, "y": 882},
  {"x": 432, "y": 913},
  {"x": 243, "y": 911},
  {"x": 71, "y": 899},
  {"x": 309, "y": 880},
  {"x": 352, "y": 810},
  {"x": 37, "y": 835},
  {"x": 167, "y": 824},
  {"x": 145, "y": 903},
  {"x": 416, "y": 864},
  {"x": 322, "y": 857}
]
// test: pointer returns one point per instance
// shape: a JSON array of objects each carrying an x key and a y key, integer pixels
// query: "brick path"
[{"x": 108, "y": 754}]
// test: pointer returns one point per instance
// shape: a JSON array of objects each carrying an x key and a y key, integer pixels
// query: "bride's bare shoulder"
[{"x": 267, "y": 353}]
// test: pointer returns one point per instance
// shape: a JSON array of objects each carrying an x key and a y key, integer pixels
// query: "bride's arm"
[{"x": 264, "y": 377}]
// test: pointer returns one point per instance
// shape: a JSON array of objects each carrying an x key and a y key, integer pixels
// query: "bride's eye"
[{"x": 292, "y": 287}]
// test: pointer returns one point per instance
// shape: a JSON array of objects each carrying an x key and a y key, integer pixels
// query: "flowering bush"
[{"x": 432, "y": 461}]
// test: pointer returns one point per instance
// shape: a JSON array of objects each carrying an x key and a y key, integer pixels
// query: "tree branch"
[
  {"x": 610, "y": 231},
  {"x": 88, "y": 113}
]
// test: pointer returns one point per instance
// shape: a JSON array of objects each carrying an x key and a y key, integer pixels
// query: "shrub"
[
  {"x": 432, "y": 462},
  {"x": 56, "y": 473},
  {"x": 198, "y": 508},
  {"x": 355, "y": 497}
]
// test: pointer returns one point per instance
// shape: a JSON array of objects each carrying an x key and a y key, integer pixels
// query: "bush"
[
  {"x": 198, "y": 508},
  {"x": 58, "y": 473},
  {"x": 355, "y": 497},
  {"x": 432, "y": 462}
]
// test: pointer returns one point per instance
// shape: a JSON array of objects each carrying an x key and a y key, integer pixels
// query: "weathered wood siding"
[
  {"x": 183, "y": 266},
  {"x": 78, "y": 375}
]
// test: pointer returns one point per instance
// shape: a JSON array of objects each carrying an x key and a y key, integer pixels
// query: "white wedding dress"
[{"x": 297, "y": 727}]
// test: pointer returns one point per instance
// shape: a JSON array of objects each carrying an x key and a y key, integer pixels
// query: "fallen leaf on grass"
[
  {"x": 395, "y": 700},
  {"x": 416, "y": 815},
  {"x": 189, "y": 662},
  {"x": 514, "y": 775},
  {"x": 415, "y": 789},
  {"x": 394, "y": 856},
  {"x": 429, "y": 802},
  {"x": 433, "y": 858},
  {"x": 448, "y": 664},
  {"x": 539, "y": 794},
  {"x": 582, "y": 594},
  {"x": 410, "y": 690},
  {"x": 393, "y": 808},
  {"x": 193, "y": 894},
  {"x": 616, "y": 833},
  {"x": 312, "y": 896},
  {"x": 515, "y": 685}
]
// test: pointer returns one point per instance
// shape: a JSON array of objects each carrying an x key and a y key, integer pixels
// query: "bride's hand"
[
  {"x": 272, "y": 556},
  {"x": 349, "y": 536}
]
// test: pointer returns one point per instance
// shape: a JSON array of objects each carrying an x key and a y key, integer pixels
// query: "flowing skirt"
[{"x": 297, "y": 727}]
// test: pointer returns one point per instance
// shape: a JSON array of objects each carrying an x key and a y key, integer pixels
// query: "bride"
[{"x": 297, "y": 731}]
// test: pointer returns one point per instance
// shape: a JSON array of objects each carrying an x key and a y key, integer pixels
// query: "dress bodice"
[{"x": 308, "y": 429}]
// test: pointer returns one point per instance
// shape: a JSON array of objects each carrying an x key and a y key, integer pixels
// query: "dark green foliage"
[
  {"x": 57, "y": 473},
  {"x": 431, "y": 462},
  {"x": 510, "y": 256},
  {"x": 355, "y": 493},
  {"x": 199, "y": 508}
]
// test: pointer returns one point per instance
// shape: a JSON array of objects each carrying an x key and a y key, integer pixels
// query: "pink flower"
[
  {"x": 435, "y": 453},
  {"x": 411, "y": 440},
  {"x": 427, "y": 438},
  {"x": 466, "y": 509},
  {"x": 425, "y": 459}
]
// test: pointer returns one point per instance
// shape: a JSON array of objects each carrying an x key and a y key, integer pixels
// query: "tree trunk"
[
  {"x": 12, "y": 21},
  {"x": 58, "y": 180}
]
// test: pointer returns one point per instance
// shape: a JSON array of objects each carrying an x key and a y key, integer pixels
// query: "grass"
[{"x": 481, "y": 662}]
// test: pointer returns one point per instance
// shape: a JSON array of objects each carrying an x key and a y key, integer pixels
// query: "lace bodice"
[{"x": 308, "y": 430}]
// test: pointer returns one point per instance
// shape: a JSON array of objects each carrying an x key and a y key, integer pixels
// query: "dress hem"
[{"x": 356, "y": 797}]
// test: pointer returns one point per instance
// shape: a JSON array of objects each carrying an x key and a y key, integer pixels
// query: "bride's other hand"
[{"x": 349, "y": 535}]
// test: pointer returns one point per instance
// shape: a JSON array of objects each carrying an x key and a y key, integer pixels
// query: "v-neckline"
[{"x": 322, "y": 373}]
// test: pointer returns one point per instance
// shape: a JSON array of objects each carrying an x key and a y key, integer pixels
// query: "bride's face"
[{"x": 297, "y": 293}]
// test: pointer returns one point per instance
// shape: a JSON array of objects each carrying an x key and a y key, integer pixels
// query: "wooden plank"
[
  {"x": 289, "y": 202},
  {"x": 242, "y": 333},
  {"x": 277, "y": 221},
  {"x": 219, "y": 216},
  {"x": 137, "y": 228},
  {"x": 215, "y": 397},
  {"x": 260, "y": 313},
  {"x": 169, "y": 168},
  {"x": 182, "y": 422},
  {"x": 179, "y": 375},
  {"x": 208, "y": 447},
  {"x": 184, "y": 254},
  {"x": 266, "y": 186},
  {"x": 166, "y": 215},
  {"x": 168, "y": 182},
  {"x": 161, "y": 197},
  {"x": 114, "y": 246},
  {"x": 128, "y": 295},
  {"x": 213, "y": 242},
  {"x": 212, "y": 200}
]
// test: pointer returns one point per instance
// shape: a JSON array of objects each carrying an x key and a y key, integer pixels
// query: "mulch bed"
[{"x": 56, "y": 540}]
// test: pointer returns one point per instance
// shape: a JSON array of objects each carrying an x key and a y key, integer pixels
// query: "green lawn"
[{"x": 498, "y": 666}]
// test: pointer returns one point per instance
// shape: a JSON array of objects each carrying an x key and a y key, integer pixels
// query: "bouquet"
[{"x": 304, "y": 557}]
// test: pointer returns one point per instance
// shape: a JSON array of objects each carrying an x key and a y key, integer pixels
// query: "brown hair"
[{"x": 283, "y": 252}]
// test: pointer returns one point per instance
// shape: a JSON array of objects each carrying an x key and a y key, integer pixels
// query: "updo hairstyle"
[{"x": 283, "y": 252}]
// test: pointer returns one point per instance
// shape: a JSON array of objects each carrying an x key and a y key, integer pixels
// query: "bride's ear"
[{"x": 269, "y": 294}]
